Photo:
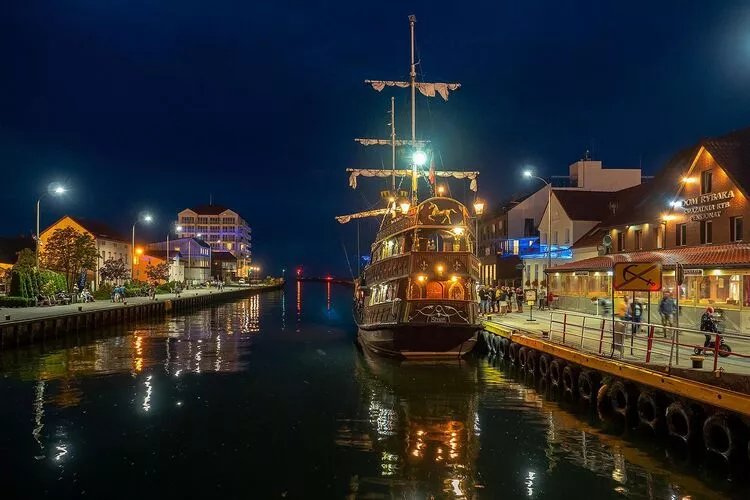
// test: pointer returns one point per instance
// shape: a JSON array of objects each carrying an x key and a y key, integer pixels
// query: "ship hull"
[{"x": 410, "y": 341}]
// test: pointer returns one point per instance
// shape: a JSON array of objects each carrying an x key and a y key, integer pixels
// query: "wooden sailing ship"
[{"x": 417, "y": 297}]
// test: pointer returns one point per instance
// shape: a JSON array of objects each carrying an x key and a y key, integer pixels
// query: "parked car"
[{"x": 242, "y": 281}]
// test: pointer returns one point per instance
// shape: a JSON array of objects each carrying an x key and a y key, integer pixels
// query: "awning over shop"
[{"x": 719, "y": 256}]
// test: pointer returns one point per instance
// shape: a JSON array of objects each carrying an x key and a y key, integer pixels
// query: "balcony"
[
  {"x": 452, "y": 262},
  {"x": 387, "y": 269}
]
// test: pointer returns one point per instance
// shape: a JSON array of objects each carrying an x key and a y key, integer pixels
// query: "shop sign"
[
  {"x": 705, "y": 206},
  {"x": 692, "y": 272},
  {"x": 637, "y": 277},
  {"x": 581, "y": 273}
]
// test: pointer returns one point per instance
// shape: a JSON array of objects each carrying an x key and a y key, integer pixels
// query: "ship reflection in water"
[{"x": 424, "y": 424}]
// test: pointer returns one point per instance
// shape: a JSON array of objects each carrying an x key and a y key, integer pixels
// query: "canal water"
[{"x": 268, "y": 397}]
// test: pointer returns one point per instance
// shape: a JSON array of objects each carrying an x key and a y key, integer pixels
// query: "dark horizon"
[{"x": 150, "y": 106}]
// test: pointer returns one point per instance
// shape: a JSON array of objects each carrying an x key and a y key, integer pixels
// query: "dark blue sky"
[{"x": 147, "y": 104}]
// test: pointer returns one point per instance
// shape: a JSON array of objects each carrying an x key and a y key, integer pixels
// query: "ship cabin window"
[
  {"x": 443, "y": 241},
  {"x": 390, "y": 247},
  {"x": 385, "y": 292},
  {"x": 451, "y": 289}
]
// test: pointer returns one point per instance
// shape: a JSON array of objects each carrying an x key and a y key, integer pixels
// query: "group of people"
[{"x": 500, "y": 299}]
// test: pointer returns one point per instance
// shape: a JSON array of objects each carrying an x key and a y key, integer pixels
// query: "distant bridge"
[{"x": 326, "y": 279}]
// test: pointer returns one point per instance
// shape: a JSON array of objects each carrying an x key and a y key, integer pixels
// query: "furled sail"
[
  {"x": 426, "y": 89},
  {"x": 343, "y": 219},
  {"x": 387, "y": 142},
  {"x": 371, "y": 172}
]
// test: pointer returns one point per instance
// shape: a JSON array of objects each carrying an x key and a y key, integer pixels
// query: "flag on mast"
[{"x": 432, "y": 171}]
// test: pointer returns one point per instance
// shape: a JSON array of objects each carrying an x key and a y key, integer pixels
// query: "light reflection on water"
[{"x": 231, "y": 380}]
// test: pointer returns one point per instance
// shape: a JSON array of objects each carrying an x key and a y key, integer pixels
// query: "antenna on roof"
[{"x": 586, "y": 156}]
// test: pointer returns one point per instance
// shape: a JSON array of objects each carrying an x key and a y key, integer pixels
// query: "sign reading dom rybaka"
[
  {"x": 637, "y": 277},
  {"x": 442, "y": 211},
  {"x": 707, "y": 206}
]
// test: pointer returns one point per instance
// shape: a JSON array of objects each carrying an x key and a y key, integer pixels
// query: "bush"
[
  {"x": 104, "y": 292},
  {"x": 16, "y": 302}
]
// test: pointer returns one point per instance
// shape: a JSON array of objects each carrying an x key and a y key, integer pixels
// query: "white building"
[
  {"x": 222, "y": 228},
  {"x": 194, "y": 257}
]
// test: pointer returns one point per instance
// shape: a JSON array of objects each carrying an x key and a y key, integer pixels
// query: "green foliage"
[
  {"x": 69, "y": 252},
  {"x": 157, "y": 273},
  {"x": 167, "y": 287},
  {"x": 114, "y": 270},
  {"x": 104, "y": 292},
  {"x": 16, "y": 302},
  {"x": 26, "y": 259},
  {"x": 50, "y": 280}
]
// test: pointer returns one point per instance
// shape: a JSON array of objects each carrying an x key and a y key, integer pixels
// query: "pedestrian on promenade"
[
  {"x": 708, "y": 325},
  {"x": 519, "y": 299},
  {"x": 482, "y": 300},
  {"x": 636, "y": 313},
  {"x": 542, "y": 298},
  {"x": 666, "y": 310},
  {"x": 503, "y": 299}
]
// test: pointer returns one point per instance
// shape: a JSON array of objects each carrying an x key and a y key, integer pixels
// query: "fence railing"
[{"x": 650, "y": 343}]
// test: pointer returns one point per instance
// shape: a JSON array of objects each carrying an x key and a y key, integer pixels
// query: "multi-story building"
[
  {"x": 692, "y": 213},
  {"x": 110, "y": 244},
  {"x": 194, "y": 258},
  {"x": 222, "y": 228},
  {"x": 502, "y": 256}
]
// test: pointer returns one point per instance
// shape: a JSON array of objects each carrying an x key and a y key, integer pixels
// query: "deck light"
[
  {"x": 478, "y": 207},
  {"x": 439, "y": 268},
  {"x": 458, "y": 231},
  {"x": 419, "y": 157},
  {"x": 404, "y": 204}
]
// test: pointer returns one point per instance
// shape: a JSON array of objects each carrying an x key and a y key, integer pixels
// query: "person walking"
[
  {"x": 519, "y": 299},
  {"x": 503, "y": 301},
  {"x": 636, "y": 313},
  {"x": 483, "y": 301},
  {"x": 666, "y": 310}
]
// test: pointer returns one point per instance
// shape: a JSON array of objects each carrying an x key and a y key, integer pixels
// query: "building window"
[
  {"x": 621, "y": 241},
  {"x": 735, "y": 229},
  {"x": 567, "y": 236},
  {"x": 660, "y": 236},
  {"x": 528, "y": 227},
  {"x": 554, "y": 238},
  {"x": 638, "y": 233},
  {"x": 706, "y": 232},
  {"x": 681, "y": 234},
  {"x": 706, "y": 178}
]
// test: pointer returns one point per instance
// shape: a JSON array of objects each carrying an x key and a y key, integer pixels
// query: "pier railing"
[{"x": 650, "y": 343}]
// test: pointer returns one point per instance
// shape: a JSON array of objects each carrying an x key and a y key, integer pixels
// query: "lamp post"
[
  {"x": 146, "y": 218},
  {"x": 529, "y": 175},
  {"x": 57, "y": 190},
  {"x": 478, "y": 211},
  {"x": 179, "y": 230}
]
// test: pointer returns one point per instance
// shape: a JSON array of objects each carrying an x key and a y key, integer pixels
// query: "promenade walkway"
[
  {"x": 32, "y": 313},
  {"x": 593, "y": 334}
]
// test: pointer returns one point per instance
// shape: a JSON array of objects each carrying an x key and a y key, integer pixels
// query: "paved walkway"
[
  {"x": 31, "y": 313},
  {"x": 592, "y": 339}
]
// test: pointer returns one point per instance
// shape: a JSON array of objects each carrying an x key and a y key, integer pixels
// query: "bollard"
[
  {"x": 7, "y": 317},
  {"x": 80, "y": 308}
]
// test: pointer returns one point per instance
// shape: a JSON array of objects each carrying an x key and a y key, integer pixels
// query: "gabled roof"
[
  {"x": 100, "y": 230},
  {"x": 593, "y": 238},
  {"x": 209, "y": 209},
  {"x": 732, "y": 254},
  {"x": 223, "y": 256},
  {"x": 586, "y": 205},
  {"x": 732, "y": 153},
  {"x": 9, "y": 248},
  {"x": 162, "y": 254}
]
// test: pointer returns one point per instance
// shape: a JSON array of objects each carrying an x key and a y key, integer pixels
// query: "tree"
[
  {"x": 157, "y": 273},
  {"x": 26, "y": 259},
  {"x": 113, "y": 270},
  {"x": 69, "y": 252}
]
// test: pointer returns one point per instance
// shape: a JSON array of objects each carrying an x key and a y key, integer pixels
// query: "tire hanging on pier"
[
  {"x": 588, "y": 385},
  {"x": 544, "y": 362},
  {"x": 650, "y": 410},
  {"x": 555, "y": 371},
  {"x": 720, "y": 435},
  {"x": 513, "y": 352},
  {"x": 681, "y": 421},
  {"x": 570, "y": 380},
  {"x": 531, "y": 361},
  {"x": 623, "y": 397},
  {"x": 522, "y": 357}
]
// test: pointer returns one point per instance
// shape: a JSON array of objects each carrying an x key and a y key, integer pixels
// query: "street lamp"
[
  {"x": 56, "y": 190},
  {"x": 530, "y": 175},
  {"x": 478, "y": 210},
  {"x": 179, "y": 230},
  {"x": 147, "y": 219}
]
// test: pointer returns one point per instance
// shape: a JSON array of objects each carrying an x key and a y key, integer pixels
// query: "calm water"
[{"x": 268, "y": 397}]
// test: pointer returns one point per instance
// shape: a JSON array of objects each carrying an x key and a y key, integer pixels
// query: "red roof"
[{"x": 733, "y": 254}]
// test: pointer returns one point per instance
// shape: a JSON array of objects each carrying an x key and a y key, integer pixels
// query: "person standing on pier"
[{"x": 666, "y": 310}]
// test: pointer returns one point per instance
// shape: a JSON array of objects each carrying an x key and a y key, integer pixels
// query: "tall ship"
[{"x": 417, "y": 298}]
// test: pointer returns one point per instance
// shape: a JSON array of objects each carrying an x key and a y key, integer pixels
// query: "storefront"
[{"x": 692, "y": 213}]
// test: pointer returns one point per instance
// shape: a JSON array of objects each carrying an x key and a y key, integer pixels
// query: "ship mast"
[
  {"x": 412, "y": 82},
  {"x": 393, "y": 144}
]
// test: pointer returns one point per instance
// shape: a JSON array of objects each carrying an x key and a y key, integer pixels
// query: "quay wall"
[{"x": 16, "y": 333}]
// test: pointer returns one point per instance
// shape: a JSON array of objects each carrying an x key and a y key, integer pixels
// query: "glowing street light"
[
  {"x": 57, "y": 190},
  {"x": 147, "y": 218}
]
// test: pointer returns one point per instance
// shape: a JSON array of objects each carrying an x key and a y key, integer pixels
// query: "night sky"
[{"x": 158, "y": 105}]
